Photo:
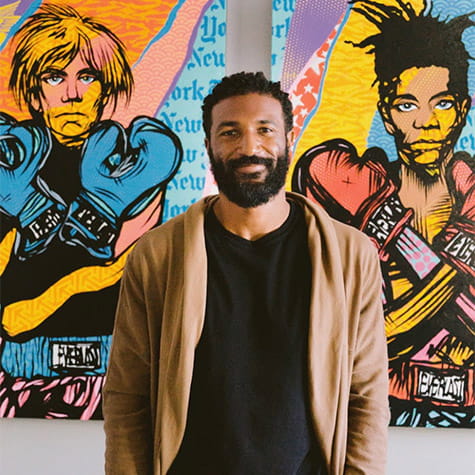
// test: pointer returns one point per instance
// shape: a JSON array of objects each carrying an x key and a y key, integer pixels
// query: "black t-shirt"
[{"x": 249, "y": 410}]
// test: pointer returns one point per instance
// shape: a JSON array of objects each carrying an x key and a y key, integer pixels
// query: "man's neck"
[
  {"x": 431, "y": 202},
  {"x": 407, "y": 173},
  {"x": 252, "y": 223}
]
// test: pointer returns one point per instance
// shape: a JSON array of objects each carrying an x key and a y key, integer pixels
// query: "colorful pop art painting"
[
  {"x": 383, "y": 95},
  {"x": 100, "y": 140}
]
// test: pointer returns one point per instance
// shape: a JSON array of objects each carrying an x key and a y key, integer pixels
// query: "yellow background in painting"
[{"x": 348, "y": 101}]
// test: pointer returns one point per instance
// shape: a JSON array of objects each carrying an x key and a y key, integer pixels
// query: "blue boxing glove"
[
  {"x": 121, "y": 173},
  {"x": 24, "y": 149}
]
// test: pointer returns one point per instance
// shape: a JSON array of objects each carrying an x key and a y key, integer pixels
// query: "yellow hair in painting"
[{"x": 56, "y": 35}]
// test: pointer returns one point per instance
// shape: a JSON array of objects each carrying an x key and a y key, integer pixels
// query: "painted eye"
[
  {"x": 53, "y": 80},
  {"x": 406, "y": 107},
  {"x": 444, "y": 104},
  {"x": 87, "y": 79}
]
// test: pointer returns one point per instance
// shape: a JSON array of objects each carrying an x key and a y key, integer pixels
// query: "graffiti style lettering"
[
  {"x": 75, "y": 355},
  {"x": 181, "y": 125},
  {"x": 211, "y": 29},
  {"x": 385, "y": 219},
  {"x": 283, "y": 5},
  {"x": 44, "y": 224},
  {"x": 441, "y": 387},
  {"x": 281, "y": 30},
  {"x": 189, "y": 182},
  {"x": 201, "y": 59},
  {"x": 189, "y": 93},
  {"x": 462, "y": 248}
]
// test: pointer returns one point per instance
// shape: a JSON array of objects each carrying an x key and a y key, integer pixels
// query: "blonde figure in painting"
[
  {"x": 71, "y": 185},
  {"x": 419, "y": 210}
]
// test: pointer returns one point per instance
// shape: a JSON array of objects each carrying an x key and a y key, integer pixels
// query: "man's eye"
[
  {"x": 228, "y": 133},
  {"x": 87, "y": 79},
  {"x": 406, "y": 106},
  {"x": 53, "y": 80},
  {"x": 444, "y": 104},
  {"x": 265, "y": 130}
]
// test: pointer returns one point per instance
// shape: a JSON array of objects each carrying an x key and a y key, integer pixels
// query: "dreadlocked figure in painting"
[
  {"x": 72, "y": 185},
  {"x": 419, "y": 210}
]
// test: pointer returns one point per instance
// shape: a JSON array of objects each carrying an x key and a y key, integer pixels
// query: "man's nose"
[
  {"x": 250, "y": 143},
  {"x": 71, "y": 92},
  {"x": 425, "y": 119}
]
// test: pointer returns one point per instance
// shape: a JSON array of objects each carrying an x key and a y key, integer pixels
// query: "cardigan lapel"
[
  {"x": 328, "y": 351},
  {"x": 185, "y": 332}
]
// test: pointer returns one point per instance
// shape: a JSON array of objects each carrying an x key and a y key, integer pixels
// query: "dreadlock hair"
[
  {"x": 243, "y": 83},
  {"x": 406, "y": 40}
]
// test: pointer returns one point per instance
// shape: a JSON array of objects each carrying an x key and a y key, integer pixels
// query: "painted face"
[
  {"x": 70, "y": 100},
  {"x": 248, "y": 148},
  {"x": 424, "y": 117}
]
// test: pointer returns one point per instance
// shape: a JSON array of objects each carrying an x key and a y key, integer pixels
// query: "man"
[
  {"x": 418, "y": 210},
  {"x": 76, "y": 191},
  {"x": 246, "y": 339}
]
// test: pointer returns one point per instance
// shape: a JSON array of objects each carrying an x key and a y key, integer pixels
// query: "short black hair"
[
  {"x": 407, "y": 39},
  {"x": 243, "y": 83}
]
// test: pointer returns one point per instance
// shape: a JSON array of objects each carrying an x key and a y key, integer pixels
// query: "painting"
[
  {"x": 383, "y": 95},
  {"x": 100, "y": 141}
]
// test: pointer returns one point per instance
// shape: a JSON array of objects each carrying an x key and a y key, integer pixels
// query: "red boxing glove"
[
  {"x": 457, "y": 240},
  {"x": 353, "y": 189}
]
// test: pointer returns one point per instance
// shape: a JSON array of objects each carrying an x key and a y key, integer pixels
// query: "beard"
[{"x": 243, "y": 190}]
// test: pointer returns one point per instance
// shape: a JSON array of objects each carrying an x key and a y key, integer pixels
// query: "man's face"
[
  {"x": 70, "y": 100},
  {"x": 248, "y": 148},
  {"x": 424, "y": 118}
]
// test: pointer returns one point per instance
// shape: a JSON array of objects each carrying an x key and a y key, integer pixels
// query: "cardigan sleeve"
[
  {"x": 368, "y": 411},
  {"x": 126, "y": 400}
]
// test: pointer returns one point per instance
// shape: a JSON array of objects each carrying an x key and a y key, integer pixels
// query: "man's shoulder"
[
  {"x": 350, "y": 235},
  {"x": 333, "y": 232}
]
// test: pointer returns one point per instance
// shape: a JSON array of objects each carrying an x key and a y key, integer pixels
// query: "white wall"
[{"x": 39, "y": 447}]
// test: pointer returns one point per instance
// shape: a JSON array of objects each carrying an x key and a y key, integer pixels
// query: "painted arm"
[
  {"x": 451, "y": 254},
  {"x": 123, "y": 172},
  {"x": 357, "y": 190},
  {"x": 37, "y": 211}
]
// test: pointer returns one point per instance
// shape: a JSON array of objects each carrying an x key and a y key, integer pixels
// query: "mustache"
[{"x": 250, "y": 160}]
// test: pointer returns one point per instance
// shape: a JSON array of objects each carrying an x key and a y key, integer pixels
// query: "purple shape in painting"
[{"x": 304, "y": 38}]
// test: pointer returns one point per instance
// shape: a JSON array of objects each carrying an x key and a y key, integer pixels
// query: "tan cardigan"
[{"x": 159, "y": 322}]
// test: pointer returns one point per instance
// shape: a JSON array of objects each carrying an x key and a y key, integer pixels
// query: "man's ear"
[
  {"x": 290, "y": 138},
  {"x": 388, "y": 124},
  {"x": 464, "y": 109},
  {"x": 207, "y": 145},
  {"x": 290, "y": 141},
  {"x": 34, "y": 102}
]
